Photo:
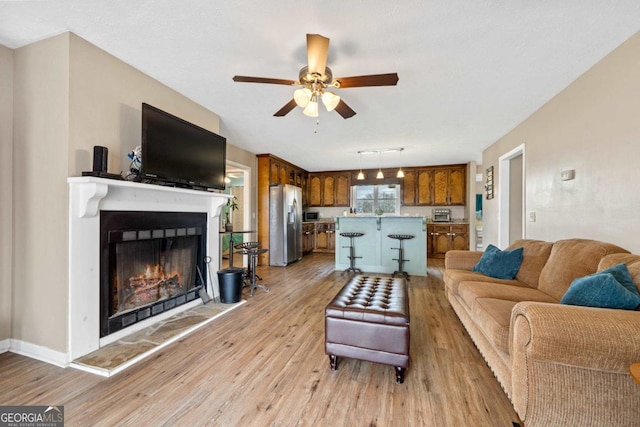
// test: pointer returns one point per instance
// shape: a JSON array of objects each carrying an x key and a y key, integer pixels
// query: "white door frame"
[
  {"x": 246, "y": 194},
  {"x": 504, "y": 183}
]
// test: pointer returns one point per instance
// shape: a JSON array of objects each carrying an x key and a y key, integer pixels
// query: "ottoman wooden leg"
[
  {"x": 400, "y": 374},
  {"x": 333, "y": 362}
]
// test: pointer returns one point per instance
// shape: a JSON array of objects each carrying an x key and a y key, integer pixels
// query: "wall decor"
[{"x": 488, "y": 186}]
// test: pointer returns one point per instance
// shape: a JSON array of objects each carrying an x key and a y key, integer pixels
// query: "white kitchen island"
[{"x": 375, "y": 247}]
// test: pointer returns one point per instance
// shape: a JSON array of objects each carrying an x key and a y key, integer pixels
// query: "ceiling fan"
[{"x": 316, "y": 77}]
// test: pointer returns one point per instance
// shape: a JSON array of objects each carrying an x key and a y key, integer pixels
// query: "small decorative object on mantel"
[
  {"x": 232, "y": 205},
  {"x": 488, "y": 186}
]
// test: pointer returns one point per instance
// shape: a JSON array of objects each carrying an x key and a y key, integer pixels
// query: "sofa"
[{"x": 559, "y": 364}]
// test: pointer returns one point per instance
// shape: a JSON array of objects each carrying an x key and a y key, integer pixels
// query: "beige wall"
[
  {"x": 593, "y": 127},
  {"x": 6, "y": 190},
  {"x": 69, "y": 96}
]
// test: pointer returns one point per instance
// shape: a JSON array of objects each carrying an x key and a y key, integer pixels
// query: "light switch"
[
  {"x": 568, "y": 174},
  {"x": 532, "y": 216}
]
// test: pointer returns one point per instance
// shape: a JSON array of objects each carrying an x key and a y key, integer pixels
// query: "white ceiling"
[{"x": 469, "y": 70}]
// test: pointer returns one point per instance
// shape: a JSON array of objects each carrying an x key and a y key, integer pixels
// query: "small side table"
[{"x": 635, "y": 372}]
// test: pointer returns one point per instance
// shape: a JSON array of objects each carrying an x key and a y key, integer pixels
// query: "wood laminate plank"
[{"x": 263, "y": 364}]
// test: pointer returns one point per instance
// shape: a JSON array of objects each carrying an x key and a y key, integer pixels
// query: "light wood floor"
[{"x": 263, "y": 364}]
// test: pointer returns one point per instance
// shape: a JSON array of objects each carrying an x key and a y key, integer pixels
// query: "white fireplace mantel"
[{"x": 87, "y": 197}]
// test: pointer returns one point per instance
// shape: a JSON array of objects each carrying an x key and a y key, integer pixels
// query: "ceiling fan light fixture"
[
  {"x": 311, "y": 109},
  {"x": 302, "y": 97},
  {"x": 330, "y": 100}
]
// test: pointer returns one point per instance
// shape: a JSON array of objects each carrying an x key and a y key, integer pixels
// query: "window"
[{"x": 369, "y": 198}]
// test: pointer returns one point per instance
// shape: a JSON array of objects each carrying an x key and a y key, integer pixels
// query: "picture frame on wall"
[{"x": 488, "y": 186}]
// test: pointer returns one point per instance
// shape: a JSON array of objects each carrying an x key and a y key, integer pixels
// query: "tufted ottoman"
[{"x": 369, "y": 320}]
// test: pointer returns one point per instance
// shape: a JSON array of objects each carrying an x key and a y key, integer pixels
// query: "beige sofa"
[{"x": 561, "y": 365}]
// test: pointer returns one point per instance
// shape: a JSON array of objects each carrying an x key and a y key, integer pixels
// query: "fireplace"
[{"x": 150, "y": 263}]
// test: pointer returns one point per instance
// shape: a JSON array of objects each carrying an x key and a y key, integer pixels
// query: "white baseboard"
[
  {"x": 5, "y": 345},
  {"x": 38, "y": 352}
]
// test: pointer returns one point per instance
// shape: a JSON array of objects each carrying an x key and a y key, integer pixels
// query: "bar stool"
[
  {"x": 401, "y": 238},
  {"x": 253, "y": 261},
  {"x": 244, "y": 249},
  {"x": 352, "y": 252}
]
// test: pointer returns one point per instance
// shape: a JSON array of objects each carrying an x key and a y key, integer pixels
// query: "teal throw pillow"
[
  {"x": 499, "y": 264},
  {"x": 621, "y": 273},
  {"x": 600, "y": 290}
]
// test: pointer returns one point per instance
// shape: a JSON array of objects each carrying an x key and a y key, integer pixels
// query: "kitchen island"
[{"x": 375, "y": 247}]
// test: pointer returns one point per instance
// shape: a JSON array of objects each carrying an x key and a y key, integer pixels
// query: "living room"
[{"x": 71, "y": 93}]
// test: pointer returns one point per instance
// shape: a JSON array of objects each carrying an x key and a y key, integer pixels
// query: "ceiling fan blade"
[
  {"x": 317, "y": 51},
  {"x": 247, "y": 79},
  {"x": 344, "y": 110},
  {"x": 286, "y": 109},
  {"x": 390, "y": 79}
]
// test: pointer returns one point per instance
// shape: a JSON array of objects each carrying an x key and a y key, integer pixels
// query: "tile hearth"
[{"x": 119, "y": 355}]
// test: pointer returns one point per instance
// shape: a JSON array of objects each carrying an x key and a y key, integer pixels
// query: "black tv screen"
[{"x": 178, "y": 152}]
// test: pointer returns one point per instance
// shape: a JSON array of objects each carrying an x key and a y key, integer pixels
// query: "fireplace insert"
[{"x": 150, "y": 262}]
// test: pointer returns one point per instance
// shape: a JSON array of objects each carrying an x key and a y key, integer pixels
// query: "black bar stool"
[
  {"x": 244, "y": 249},
  {"x": 401, "y": 238},
  {"x": 352, "y": 252},
  {"x": 253, "y": 262}
]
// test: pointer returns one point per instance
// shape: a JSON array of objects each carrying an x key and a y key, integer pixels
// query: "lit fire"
[{"x": 157, "y": 272}]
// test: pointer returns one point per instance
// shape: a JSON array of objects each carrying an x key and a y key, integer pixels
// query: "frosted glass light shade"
[
  {"x": 360, "y": 175},
  {"x": 311, "y": 109},
  {"x": 400, "y": 173},
  {"x": 302, "y": 97},
  {"x": 379, "y": 175},
  {"x": 330, "y": 100}
]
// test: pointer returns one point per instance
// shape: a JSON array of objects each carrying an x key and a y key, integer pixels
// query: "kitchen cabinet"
[
  {"x": 445, "y": 237},
  {"x": 329, "y": 189},
  {"x": 434, "y": 186},
  {"x": 308, "y": 237},
  {"x": 325, "y": 237}
]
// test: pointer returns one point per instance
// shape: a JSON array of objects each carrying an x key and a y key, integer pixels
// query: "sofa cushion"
[
  {"x": 452, "y": 278},
  {"x": 620, "y": 272},
  {"x": 493, "y": 317},
  {"x": 534, "y": 256},
  {"x": 469, "y": 292},
  {"x": 499, "y": 264},
  {"x": 571, "y": 259},
  {"x": 601, "y": 290}
]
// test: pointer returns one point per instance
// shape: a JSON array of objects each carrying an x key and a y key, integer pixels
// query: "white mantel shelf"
[{"x": 87, "y": 197}]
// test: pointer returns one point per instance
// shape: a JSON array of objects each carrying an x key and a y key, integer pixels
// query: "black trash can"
[{"x": 230, "y": 281}]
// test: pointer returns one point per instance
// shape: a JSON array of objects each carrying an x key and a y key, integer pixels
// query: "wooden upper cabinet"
[
  {"x": 315, "y": 197},
  {"x": 441, "y": 187},
  {"x": 409, "y": 188},
  {"x": 425, "y": 187},
  {"x": 328, "y": 191},
  {"x": 274, "y": 173},
  {"x": 457, "y": 186},
  {"x": 284, "y": 175},
  {"x": 343, "y": 185}
]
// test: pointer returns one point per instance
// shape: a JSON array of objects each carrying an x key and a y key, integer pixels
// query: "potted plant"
[{"x": 232, "y": 205}]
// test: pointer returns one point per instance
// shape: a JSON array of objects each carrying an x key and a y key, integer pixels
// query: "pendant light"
[
  {"x": 400, "y": 173},
  {"x": 379, "y": 175},
  {"x": 360, "y": 174}
]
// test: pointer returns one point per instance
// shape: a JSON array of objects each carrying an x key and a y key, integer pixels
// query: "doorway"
[
  {"x": 238, "y": 184},
  {"x": 511, "y": 198}
]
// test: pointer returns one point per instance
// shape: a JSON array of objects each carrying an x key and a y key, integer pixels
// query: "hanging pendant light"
[
  {"x": 379, "y": 175},
  {"x": 360, "y": 174},
  {"x": 400, "y": 173}
]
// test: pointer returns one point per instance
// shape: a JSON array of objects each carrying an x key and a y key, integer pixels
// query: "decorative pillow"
[
  {"x": 600, "y": 290},
  {"x": 621, "y": 273},
  {"x": 499, "y": 264}
]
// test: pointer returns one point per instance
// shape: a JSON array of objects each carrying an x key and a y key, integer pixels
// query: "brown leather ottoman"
[{"x": 369, "y": 320}]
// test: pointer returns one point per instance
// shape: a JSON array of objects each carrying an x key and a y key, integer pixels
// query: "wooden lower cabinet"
[
  {"x": 325, "y": 237},
  {"x": 445, "y": 237},
  {"x": 308, "y": 237}
]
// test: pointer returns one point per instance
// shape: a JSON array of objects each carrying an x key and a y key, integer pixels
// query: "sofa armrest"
[
  {"x": 593, "y": 338},
  {"x": 461, "y": 260},
  {"x": 570, "y": 365}
]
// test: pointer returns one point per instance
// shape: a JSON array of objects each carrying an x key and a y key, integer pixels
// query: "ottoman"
[{"x": 369, "y": 320}]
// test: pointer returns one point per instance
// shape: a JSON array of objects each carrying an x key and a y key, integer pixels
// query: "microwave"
[
  {"x": 310, "y": 216},
  {"x": 442, "y": 215}
]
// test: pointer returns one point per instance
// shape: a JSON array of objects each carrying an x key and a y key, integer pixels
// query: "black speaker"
[{"x": 100, "y": 155}]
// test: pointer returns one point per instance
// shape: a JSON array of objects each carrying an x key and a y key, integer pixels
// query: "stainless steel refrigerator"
[{"x": 285, "y": 224}]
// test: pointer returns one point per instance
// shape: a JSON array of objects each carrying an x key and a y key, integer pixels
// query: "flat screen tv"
[{"x": 177, "y": 152}]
